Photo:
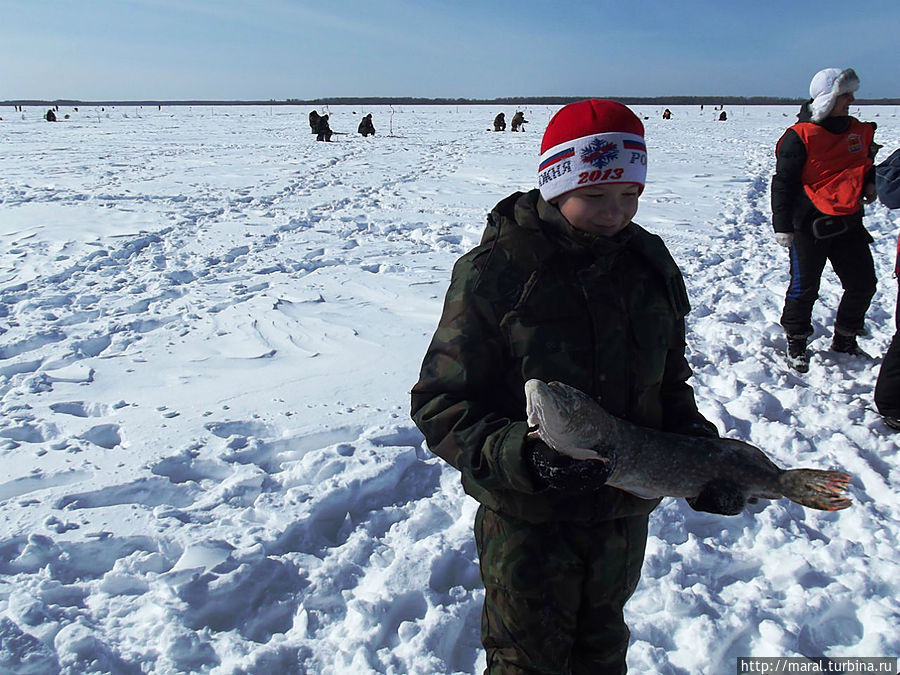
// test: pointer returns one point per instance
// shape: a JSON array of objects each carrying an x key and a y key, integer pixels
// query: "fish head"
[{"x": 565, "y": 418}]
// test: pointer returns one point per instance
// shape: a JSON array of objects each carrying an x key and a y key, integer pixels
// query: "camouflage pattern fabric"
[
  {"x": 540, "y": 299},
  {"x": 554, "y": 593}
]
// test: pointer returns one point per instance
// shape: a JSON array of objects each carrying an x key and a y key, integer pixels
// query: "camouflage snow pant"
[{"x": 554, "y": 593}]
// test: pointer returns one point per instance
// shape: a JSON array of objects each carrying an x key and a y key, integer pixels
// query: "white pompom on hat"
[
  {"x": 826, "y": 86},
  {"x": 592, "y": 142}
]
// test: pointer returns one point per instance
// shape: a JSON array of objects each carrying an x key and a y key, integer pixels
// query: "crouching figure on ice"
[
  {"x": 563, "y": 287},
  {"x": 366, "y": 126},
  {"x": 519, "y": 121}
]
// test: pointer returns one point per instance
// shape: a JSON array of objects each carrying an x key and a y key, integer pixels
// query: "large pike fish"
[{"x": 649, "y": 463}]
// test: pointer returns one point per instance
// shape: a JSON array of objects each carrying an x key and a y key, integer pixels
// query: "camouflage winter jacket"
[{"x": 540, "y": 299}]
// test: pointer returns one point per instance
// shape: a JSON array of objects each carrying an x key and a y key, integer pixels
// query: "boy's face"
[{"x": 601, "y": 209}]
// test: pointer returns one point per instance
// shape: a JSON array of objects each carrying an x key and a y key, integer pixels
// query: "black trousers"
[
  {"x": 851, "y": 261},
  {"x": 887, "y": 387}
]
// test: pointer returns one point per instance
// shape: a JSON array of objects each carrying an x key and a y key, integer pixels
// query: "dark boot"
[
  {"x": 797, "y": 356},
  {"x": 892, "y": 422},
  {"x": 846, "y": 344}
]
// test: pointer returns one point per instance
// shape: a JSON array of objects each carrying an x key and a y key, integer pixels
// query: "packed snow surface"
[{"x": 209, "y": 326}]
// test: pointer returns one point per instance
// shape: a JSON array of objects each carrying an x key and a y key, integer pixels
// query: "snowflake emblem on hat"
[{"x": 599, "y": 153}]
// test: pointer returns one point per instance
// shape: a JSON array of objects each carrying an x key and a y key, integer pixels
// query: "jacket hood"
[
  {"x": 530, "y": 212},
  {"x": 548, "y": 233}
]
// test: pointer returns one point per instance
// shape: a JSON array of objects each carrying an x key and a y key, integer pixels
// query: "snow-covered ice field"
[{"x": 209, "y": 325}]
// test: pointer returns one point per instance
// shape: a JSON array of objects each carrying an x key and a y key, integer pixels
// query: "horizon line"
[{"x": 414, "y": 100}]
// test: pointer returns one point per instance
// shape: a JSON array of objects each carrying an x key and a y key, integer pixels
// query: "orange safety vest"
[{"x": 836, "y": 165}]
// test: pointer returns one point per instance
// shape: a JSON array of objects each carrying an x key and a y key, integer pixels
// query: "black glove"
[
  {"x": 560, "y": 472},
  {"x": 720, "y": 496}
]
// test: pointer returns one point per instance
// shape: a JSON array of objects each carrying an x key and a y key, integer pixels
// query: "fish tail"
[{"x": 823, "y": 490}]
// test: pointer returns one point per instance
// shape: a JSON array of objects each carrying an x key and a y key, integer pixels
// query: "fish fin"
[
  {"x": 823, "y": 490},
  {"x": 604, "y": 451},
  {"x": 583, "y": 453}
]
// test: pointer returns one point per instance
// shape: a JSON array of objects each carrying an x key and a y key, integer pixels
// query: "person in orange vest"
[{"x": 823, "y": 174}]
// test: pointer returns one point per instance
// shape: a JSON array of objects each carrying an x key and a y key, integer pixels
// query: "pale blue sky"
[{"x": 279, "y": 49}]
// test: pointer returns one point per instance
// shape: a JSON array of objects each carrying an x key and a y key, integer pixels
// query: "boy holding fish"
[{"x": 563, "y": 287}]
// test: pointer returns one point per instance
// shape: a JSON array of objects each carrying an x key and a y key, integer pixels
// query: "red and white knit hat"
[{"x": 591, "y": 142}]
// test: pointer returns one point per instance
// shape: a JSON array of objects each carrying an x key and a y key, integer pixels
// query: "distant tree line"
[
  {"x": 507, "y": 101},
  {"x": 563, "y": 100}
]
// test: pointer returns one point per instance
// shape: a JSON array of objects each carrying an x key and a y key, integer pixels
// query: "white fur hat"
[{"x": 826, "y": 86}]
